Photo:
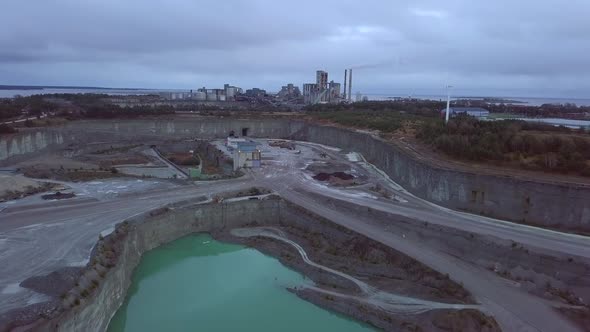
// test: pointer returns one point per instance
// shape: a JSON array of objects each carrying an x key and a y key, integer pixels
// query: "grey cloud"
[{"x": 397, "y": 45}]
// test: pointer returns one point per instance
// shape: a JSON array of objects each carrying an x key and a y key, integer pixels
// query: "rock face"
[
  {"x": 36, "y": 140},
  {"x": 28, "y": 142},
  {"x": 552, "y": 205},
  {"x": 143, "y": 233}
]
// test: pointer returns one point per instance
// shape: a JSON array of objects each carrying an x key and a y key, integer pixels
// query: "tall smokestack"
[
  {"x": 345, "y": 72},
  {"x": 350, "y": 84}
]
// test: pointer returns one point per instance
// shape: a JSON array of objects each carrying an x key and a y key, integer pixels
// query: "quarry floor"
[{"x": 506, "y": 267}]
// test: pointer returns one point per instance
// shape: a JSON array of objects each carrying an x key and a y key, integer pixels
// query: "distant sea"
[
  {"x": 25, "y": 92},
  {"x": 529, "y": 101}
]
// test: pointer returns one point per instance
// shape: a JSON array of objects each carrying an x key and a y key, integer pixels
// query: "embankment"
[{"x": 102, "y": 288}]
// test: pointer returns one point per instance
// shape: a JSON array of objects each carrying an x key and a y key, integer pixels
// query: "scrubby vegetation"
[
  {"x": 527, "y": 145},
  {"x": 531, "y": 146},
  {"x": 72, "y": 106},
  {"x": 383, "y": 116},
  {"x": 32, "y": 106}
]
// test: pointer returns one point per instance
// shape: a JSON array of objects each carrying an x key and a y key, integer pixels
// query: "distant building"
[
  {"x": 321, "y": 79},
  {"x": 289, "y": 91},
  {"x": 334, "y": 92},
  {"x": 247, "y": 155},
  {"x": 255, "y": 92},
  {"x": 231, "y": 92},
  {"x": 228, "y": 93},
  {"x": 212, "y": 94},
  {"x": 310, "y": 92},
  {"x": 359, "y": 97},
  {"x": 476, "y": 112},
  {"x": 175, "y": 95},
  {"x": 322, "y": 91},
  {"x": 232, "y": 142}
]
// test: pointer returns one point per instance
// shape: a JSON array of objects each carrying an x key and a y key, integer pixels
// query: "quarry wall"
[
  {"x": 145, "y": 233},
  {"x": 561, "y": 206},
  {"x": 105, "y": 131},
  {"x": 545, "y": 204}
]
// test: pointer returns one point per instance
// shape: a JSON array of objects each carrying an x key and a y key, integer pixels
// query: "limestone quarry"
[{"x": 386, "y": 239}]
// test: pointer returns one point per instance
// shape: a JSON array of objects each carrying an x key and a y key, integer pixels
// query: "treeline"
[
  {"x": 566, "y": 110},
  {"x": 385, "y": 116},
  {"x": 376, "y": 120},
  {"x": 29, "y": 106},
  {"x": 425, "y": 108},
  {"x": 107, "y": 111},
  {"x": 531, "y": 145},
  {"x": 544, "y": 111}
]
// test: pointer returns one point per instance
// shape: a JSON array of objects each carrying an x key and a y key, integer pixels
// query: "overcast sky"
[{"x": 499, "y": 47}]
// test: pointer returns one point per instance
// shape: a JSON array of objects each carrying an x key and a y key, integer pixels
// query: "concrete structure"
[
  {"x": 198, "y": 95},
  {"x": 322, "y": 91},
  {"x": 321, "y": 79},
  {"x": 350, "y": 85},
  {"x": 334, "y": 92},
  {"x": 255, "y": 92},
  {"x": 174, "y": 95},
  {"x": 232, "y": 142},
  {"x": 231, "y": 92},
  {"x": 476, "y": 112},
  {"x": 247, "y": 155},
  {"x": 310, "y": 91},
  {"x": 228, "y": 93},
  {"x": 344, "y": 93},
  {"x": 289, "y": 91},
  {"x": 359, "y": 97}
]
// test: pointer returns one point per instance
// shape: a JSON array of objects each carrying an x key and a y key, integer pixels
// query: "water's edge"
[{"x": 161, "y": 285}]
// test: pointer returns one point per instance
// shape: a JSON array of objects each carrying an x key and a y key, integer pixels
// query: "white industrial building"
[
  {"x": 232, "y": 142},
  {"x": 476, "y": 112},
  {"x": 247, "y": 155}
]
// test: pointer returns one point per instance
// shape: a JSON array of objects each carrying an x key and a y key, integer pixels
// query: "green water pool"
[{"x": 199, "y": 284}]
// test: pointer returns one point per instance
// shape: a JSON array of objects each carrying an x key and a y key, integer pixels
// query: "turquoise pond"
[{"x": 199, "y": 284}]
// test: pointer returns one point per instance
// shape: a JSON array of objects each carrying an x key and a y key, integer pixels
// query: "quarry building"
[{"x": 247, "y": 155}]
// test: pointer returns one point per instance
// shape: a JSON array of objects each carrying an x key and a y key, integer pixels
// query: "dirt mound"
[
  {"x": 282, "y": 145},
  {"x": 183, "y": 159},
  {"x": 327, "y": 176},
  {"x": 55, "y": 283},
  {"x": 18, "y": 186},
  {"x": 59, "y": 195}
]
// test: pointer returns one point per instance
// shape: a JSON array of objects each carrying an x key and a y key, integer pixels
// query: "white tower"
[{"x": 448, "y": 104}]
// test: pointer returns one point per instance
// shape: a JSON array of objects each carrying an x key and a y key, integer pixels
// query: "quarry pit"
[{"x": 403, "y": 229}]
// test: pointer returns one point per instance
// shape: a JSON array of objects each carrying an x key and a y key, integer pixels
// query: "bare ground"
[{"x": 18, "y": 186}]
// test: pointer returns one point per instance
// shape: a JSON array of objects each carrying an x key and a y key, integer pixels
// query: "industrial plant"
[
  {"x": 228, "y": 93},
  {"x": 320, "y": 92},
  {"x": 324, "y": 92}
]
